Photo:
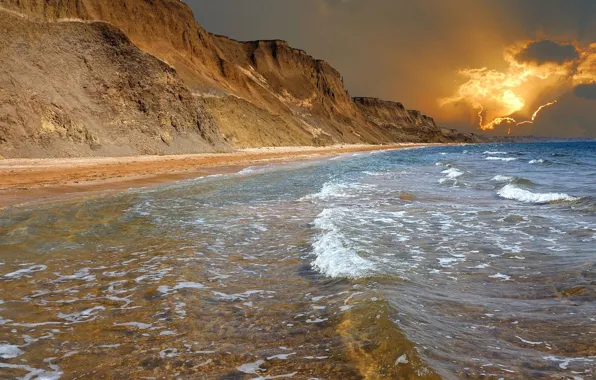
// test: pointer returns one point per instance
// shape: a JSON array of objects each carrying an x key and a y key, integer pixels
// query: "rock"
[
  {"x": 95, "y": 93},
  {"x": 204, "y": 86}
]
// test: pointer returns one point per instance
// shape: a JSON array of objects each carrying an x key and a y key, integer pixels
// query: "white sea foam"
[
  {"x": 81, "y": 274},
  {"x": 564, "y": 362},
  {"x": 181, "y": 285},
  {"x": 494, "y": 153},
  {"x": 138, "y": 325},
  {"x": 502, "y": 178},
  {"x": 25, "y": 271},
  {"x": 447, "y": 262},
  {"x": 251, "y": 368},
  {"x": 334, "y": 256},
  {"x": 515, "y": 193},
  {"x": 334, "y": 190},
  {"x": 35, "y": 373},
  {"x": 254, "y": 169},
  {"x": 9, "y": 351},
  {"x": 375, "y": 174},
  {"x": 501, "y": 276},
  {"x": 453, "y": 173},
  {"x": 281, "y": 356},
  {"x": 539, "y": 161},
  {"x": 491, "y": 158},
  {"x": 168, "y": 353},
  {"x": 402, "y": 360},
  {"x": 189, "y": 285},
  {"x": 239, "y": 296},
  {"x": 528, "y": 341},
  {"x": 83, "y": 316},
  {"x": 316, "y": 320}
]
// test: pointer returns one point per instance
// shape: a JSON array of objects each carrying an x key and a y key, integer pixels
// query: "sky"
[{"x": 484, "y": 66}]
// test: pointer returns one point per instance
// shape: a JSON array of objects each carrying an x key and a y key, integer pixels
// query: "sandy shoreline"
[{"x": 40, "y": 180}]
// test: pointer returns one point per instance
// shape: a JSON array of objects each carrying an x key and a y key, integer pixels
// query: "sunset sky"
[{"x": 454, "y": 60}]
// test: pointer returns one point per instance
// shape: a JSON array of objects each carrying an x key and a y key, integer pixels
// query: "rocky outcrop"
[
  {"x": 386, "y": 112},
  {"x": 408, "y": 125},
  {"x": 74, "y": 89},
  {"x": 258, "y": 93}
]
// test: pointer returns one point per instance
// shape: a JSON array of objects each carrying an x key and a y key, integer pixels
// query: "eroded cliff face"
[
  {"x": 259, "y": 93},
  {"x": 306, "y": 94},
  {"x": 408, "y": 125},
  {"x": 386, "y": 112},
  {"x": 82, "y": 89}
]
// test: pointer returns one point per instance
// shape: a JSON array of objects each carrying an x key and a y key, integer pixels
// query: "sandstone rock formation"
[
  {"x": 124, "y": 101},
  {"x": 408, "y": 125},
  {"x": 73, "y": 89}
]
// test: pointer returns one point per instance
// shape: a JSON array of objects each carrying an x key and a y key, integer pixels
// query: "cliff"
[
  {"x": 408, "y": 125},
  {"x": 73, "y": 89},
  {"x": 256, "y": 93}
]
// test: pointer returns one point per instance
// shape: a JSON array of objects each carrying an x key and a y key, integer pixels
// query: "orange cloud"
[{"x": 533, "y": 68}]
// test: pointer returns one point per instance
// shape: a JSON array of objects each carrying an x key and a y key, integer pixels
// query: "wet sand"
[
  {"x": 41, "y": 180},
  {"x": 206, "y": 280}
]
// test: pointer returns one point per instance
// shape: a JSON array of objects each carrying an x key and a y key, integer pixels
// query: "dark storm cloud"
[
  {"x": 586, "y": 91},
  {"x": 572, "y": 117},
  {"x": 547, "y": 51}
]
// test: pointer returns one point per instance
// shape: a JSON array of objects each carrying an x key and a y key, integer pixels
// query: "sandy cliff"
[
  {"x": 73, "y": 89},
  {"x": 258, "y": 93},
  {"x": 408, "y": 125}
]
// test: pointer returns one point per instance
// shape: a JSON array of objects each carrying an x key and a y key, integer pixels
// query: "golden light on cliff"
[{"x": 496, "y": 96}]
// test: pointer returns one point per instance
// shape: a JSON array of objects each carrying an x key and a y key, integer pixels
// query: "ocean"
[{"x": 473, "y": 261}]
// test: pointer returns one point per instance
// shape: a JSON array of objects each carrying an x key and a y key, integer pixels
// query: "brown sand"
[{"x": 40, "y": 180}]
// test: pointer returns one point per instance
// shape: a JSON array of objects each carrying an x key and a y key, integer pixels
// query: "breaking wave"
[
  {"x": 502, "y": 178},
  {"x": 491, "y": 158},
  {"x": 515, "y": 193},
  {"x": 452, "y": 173},
  {"x": 495, "y": 153},
  {"x": 332, "y": 190},
  {"x": 334, "y": 255}
]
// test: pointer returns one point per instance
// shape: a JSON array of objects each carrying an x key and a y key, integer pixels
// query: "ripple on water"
[{"x": 214, "y": 278}]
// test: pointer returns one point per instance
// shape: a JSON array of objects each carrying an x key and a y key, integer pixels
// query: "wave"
[
  {"x": 254, "y": 169},
  {"x": 515, "y": 193},
  {"x": 452, "y": 173},
  {"x": 539, "y": 161},
  {"x": 494, "y": 153},
  {"x": 335, "y": 190},
  {"x": 490, "y": 158},
  {"x": 502, "y": 178},
  {"x": 375, "y": 174},
  {"x": 334, "y": 256},
  {"x": 513, "y": 180},
  {"x": 522, "y": 181}
]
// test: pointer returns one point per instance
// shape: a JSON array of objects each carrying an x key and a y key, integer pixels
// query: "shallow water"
[{"x": 458, "y": 262}]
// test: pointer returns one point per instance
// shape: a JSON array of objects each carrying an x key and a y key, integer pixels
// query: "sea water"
[{"x": 473, "y": 261}]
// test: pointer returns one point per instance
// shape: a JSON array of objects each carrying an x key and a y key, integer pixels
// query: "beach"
[
  {"x": 446, "y": 262},
  {"x": 41, "y": 179}
]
